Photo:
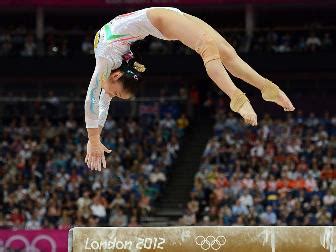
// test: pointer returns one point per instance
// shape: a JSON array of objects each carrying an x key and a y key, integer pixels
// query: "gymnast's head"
[{"x": 124, "y": 81}]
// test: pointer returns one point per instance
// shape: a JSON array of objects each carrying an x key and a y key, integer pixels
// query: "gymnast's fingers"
[
  {"x": 99, "y": 163},
  {"x": 88, "y": 160},
  {"x": 104, "y": 161},
  {"x": 92, "y": 163}
]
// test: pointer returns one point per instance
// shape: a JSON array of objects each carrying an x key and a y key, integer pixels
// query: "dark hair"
[{"x": 133, "y": 75}]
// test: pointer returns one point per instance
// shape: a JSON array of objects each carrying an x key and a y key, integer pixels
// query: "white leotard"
[{"x": 116, "y": 37}]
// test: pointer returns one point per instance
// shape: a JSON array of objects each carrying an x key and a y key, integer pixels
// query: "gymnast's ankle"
[{"x": 238, "y": 99}]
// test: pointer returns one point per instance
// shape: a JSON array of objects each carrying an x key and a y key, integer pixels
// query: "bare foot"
[
  {"x": 247, "y": 112},
  {"x": 284, "y": 102}
]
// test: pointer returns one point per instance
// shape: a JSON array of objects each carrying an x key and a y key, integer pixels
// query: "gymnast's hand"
[{"x": 95, "y": 155}]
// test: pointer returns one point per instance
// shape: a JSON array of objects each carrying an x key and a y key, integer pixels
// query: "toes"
[
  {"x": 251, "y": 120},
  {"x": 285, "y": 102},
  {"x": 289, "y": 108},
  {"x": 246, "y": 120}
]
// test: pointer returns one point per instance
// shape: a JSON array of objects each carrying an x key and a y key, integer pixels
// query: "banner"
[
  {"x": 114, "y": 3},
  {"x": 46, "y": 240}
]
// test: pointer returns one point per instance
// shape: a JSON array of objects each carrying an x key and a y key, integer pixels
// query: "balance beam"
[{"x": 204, "y": 238}]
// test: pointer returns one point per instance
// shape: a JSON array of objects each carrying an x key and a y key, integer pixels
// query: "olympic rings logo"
[
  {"x": 215, "y": 243},
  {"x": 29, "y": 247}
]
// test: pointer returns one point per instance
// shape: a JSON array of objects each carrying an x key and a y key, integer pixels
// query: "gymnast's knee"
[
  {"x": 207, "y": 48},
  {"x": 227, "y": 54}
]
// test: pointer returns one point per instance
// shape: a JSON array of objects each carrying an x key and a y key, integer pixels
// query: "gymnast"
[{"x": 117, "y": 74}]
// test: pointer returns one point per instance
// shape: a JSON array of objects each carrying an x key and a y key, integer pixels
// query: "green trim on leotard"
[{"x": 109, "y": 35}]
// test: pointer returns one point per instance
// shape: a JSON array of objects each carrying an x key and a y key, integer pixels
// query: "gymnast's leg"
[
  {"x": 240, "y": 69},
  {"x": 176, "y": 26}
]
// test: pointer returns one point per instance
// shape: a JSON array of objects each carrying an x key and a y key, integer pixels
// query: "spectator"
[
  {"x": 17, "y": 218},
  {"x": 53, "y": 212},
  {"x": 98, "y": 209},
  {"x": 283, "y": 47},
  {"x": 239, "y": 208},
  {"x": 118, "y": 201},
  {"x": 83, "y": 204},
  {"x": 29, "y": 49},
  {"x": 157, "y": 177},
  {"x": 323, "y": 217},
  {"x": 313, "y": 43},
  {"x": 246, "y": 199},
  {"x": 182, "y": 122},
  {"x": 119, "y": 219},
  {"x": 34, "y": 222},
  {"x": 268, "y": 217},
  {"x": 188, "y": 218},
  {"x": 329, "y": 199},
  {"x": 168, "y": 122},
  {"x": 193, "y": 204},
  {"x": 133, "y": 222},
  {"x": 65, "y": 222},
  {"x": 93, "y": 221}
]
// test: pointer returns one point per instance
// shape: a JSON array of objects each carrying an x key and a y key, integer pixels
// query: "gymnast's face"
[{"x": 113, "y": 86}]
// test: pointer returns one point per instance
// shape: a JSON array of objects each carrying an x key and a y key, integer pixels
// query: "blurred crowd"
[
  {"x": 21, "y": 41},
  {"x": 44, "y": 182},
  {"x": 285, "y": 42},
  {"x": 280, "y": 173}
]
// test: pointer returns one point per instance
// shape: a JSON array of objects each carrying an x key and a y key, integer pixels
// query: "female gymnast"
[{"x": 117, "y": 75}]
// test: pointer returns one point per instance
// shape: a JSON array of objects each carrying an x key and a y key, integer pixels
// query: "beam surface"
[{"x": 188, "y": 239}]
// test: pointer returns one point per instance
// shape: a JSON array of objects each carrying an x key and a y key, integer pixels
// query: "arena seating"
[
  {"x": 65, "y": 43},
  {"x": 280, "y": 173},
  {"x": 44, "y": 182}
]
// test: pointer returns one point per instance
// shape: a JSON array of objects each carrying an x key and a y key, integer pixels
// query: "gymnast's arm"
[
  {"x": 104, "y": 104},
  {"x": 95, "y": 150}
]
